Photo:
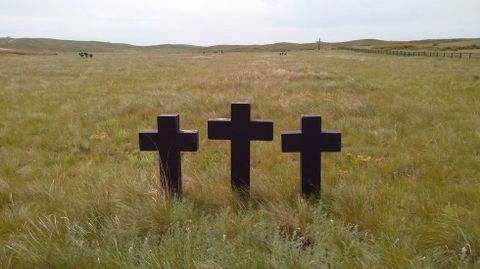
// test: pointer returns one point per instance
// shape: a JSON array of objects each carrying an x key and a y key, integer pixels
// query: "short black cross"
[
  {"x": 240, "y": 130},
  {"x": 311, "y": 141},
  {"x": 169, "y": 141}
]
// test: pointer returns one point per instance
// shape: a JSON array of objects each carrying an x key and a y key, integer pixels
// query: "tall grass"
[{"x": 75, "y": 192}]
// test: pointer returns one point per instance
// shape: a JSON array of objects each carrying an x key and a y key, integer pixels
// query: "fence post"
[{"x": 469, "y": 56}]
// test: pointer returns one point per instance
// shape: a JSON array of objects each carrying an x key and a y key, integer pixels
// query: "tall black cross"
[
  {"x": 311, "y": 141},
  {"x": 169, "y": 141},
  {"x": 240, "y": 130}
]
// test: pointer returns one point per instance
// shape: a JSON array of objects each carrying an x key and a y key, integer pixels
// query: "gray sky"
[{"x": 210, "y": 22}]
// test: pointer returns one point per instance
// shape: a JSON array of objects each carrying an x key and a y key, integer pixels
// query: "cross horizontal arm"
[
  {"x": 219, "y": 129},
  {"x": 291, "y": 141},
  {"x": 261, "y": 130},
  {"x": 331, "y": 141},
  {"x": 147, "y": 140},
  {"x": 187, "y": 140}
]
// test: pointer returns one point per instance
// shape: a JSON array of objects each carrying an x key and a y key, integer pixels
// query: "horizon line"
[{"x": 254, "y": 44}]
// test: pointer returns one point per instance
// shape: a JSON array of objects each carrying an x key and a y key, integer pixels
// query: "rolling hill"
[{"x": 56, "y": 45}]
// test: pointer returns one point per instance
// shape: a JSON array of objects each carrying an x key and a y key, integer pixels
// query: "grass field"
[{"x": 75, "y": 192}]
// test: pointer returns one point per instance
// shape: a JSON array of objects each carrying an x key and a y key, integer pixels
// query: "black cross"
[
  {"x": 169, "y": 141},
  {"x": 240, "y": 130},
  {"x": 311, "y": 141}
]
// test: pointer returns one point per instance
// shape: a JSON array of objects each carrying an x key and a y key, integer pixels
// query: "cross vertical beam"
[
  {"x": 311, "y": 141},
  {"x": 169, "y": 141},
  {"x": 240, "y": 146},
  {"x": 240, "y": 130}
]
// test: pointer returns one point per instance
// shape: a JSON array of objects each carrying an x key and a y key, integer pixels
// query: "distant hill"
[
  {"x": 56, "y": 45},
  {"x": 48, "y": 45},
  {"x": 466, "y": 45},
  {"x": 283, "y": 46},
  {"x": 174, "y": 48},
  {"x": 360, "y": 42}
]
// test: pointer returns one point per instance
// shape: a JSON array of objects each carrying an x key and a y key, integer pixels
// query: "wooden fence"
[{"x": 460, "y": 55}]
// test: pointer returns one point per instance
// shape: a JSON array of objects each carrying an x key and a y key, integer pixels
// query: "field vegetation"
[{"x": 75, "y": 191}]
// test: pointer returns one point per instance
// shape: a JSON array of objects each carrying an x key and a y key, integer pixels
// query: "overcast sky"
[{"x": 210, "y": 22}]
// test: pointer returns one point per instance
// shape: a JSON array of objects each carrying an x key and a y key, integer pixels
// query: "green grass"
[{"x": 75, "y": 192}]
